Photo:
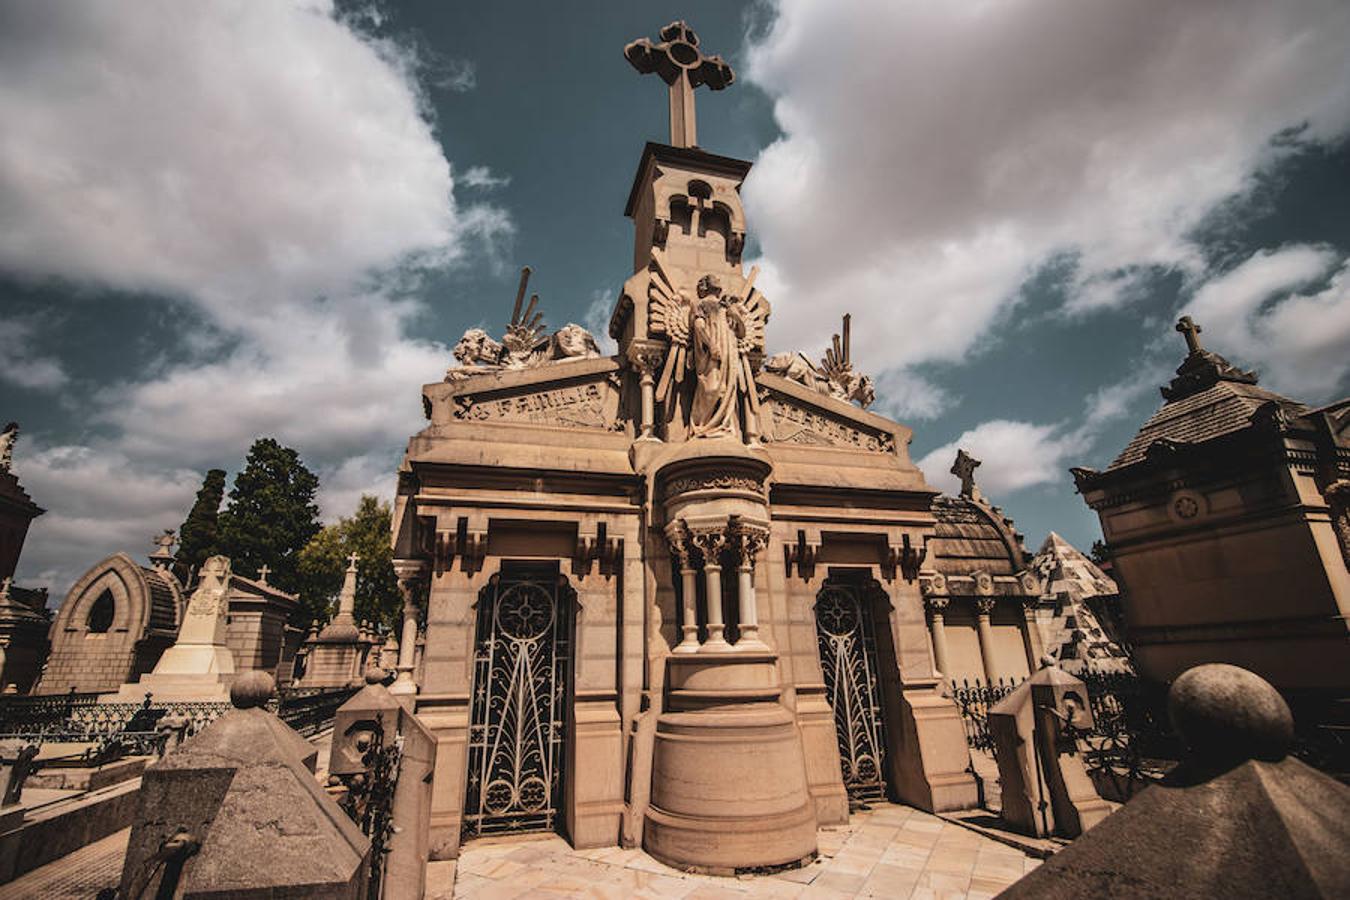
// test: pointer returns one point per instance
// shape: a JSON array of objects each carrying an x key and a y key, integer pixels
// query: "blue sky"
[{"x": 226, "y": 220}]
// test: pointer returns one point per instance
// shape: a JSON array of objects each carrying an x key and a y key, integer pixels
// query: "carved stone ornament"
[
  {"x": 1186, "y": 506},
  {"x": 710, "y": 543},
  {"x": 984, "y": 584},
  {"x": 833, "y": 376},
  {"x": 724, "y": 481},
  {"x": 937, "y": 605},
  {"x": 985, "y": 606},
  {"x": 570, "y": 406},
  {"x": 7, "y": 439},
  {"x": 713, "y": 330},
  {"x": 936, "y": 584},
  {"x": 793, "y": 423}
]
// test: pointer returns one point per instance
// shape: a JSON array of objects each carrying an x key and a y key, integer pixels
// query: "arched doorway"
[
  {"x": 522, "y": 667},
  {"x": 846, "y": 637}
]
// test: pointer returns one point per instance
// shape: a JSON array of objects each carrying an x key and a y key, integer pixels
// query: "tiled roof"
[
  {"x": 1222, "y": 408},
  {"x": 966, "y": 539},
  {"x": 164, "y": 598}
]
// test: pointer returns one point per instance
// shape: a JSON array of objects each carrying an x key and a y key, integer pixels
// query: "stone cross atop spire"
[
  {"x": 964, "y": 468},
  {"x": 352, "y": 560},
  {"x": 684, "y": 67},
  {"x": 1190, "y": 330}
]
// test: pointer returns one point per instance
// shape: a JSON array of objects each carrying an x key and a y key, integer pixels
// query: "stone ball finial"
[
  {"x": 1227, "y": 714},
  {"x": 252, "y": 689},
  {"x": 376, "y": 675}
]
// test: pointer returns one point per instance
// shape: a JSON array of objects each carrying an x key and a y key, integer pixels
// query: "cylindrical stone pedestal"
[{"x": 729, "y": 788}]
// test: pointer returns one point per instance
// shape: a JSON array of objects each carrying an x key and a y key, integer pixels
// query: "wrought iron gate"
[
  {"x": 845, "y": 632},
  {"x": 516, "y": 737}
]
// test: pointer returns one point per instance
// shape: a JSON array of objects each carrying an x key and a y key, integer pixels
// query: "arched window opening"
[{"x": 101, "y": 613}]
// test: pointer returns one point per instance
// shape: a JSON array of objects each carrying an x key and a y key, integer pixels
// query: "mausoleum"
[{"x": 672, "y": 596}]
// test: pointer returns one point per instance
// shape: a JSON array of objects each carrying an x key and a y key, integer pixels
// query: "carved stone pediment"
[
  {"x": 793, "y": 414},
  {"x": 586, "y": 396}
]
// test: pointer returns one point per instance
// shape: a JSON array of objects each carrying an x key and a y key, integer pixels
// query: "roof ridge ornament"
[
  {"x": 964, "y": 468},
  {"x": 684, "y": 67},
  {"x": 1202, "y": 369}
]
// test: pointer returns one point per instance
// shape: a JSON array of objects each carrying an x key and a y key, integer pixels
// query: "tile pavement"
[
  {"x": 888, "y": 851},
  {"x": 76, "y": 876}
]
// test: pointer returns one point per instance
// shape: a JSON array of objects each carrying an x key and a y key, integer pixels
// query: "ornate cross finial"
[
  {"x": 964, "y": 468},
  {"x": 262, "y": 573},
  {"x": 163, "y": 553},
  {"x": 352, "y": 560},
  {"x": 1190, "y": 330},
  {"x": 683, "y": 66}
]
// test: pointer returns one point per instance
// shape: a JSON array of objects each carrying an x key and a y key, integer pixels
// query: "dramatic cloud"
[
  {"x": 935, "y": 155},
  {"x": 272, "y": 170},
  {"x": 1259, "y": 314},
  {"x": 22, "y": 367}
]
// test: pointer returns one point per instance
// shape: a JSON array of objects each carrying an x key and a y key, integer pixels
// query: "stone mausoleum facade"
[{"x": 672, "y": 597}]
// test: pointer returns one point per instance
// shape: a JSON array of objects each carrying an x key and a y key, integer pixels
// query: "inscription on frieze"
[
  {"x": 792, "y": 424},
  {"x": 575, "y": 406}
]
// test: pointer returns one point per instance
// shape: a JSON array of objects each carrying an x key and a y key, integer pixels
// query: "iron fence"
[
  {"x": 80, "y": 718},
  {"x": 974, "y": 701}
]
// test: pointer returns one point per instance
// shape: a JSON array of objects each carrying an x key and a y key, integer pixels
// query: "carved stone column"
[
  {"x": 646, "y": 357},
  {"x": 681, "y": 547},
  {"x": 749, "y": 541},
  {"x": 937, "y": 608},
  {"x": 984, "y": 607},
  {"x": 1031, "y": 634},
  {"x": 410, "y": 574},
  {"x": 710, "y": 544}
]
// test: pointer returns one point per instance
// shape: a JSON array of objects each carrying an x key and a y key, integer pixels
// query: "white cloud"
[
  {"x": 937, "y": 154},
  {"x": 21, "y": 365},
  {"x": 596, "y": 320},
  {"x": 1014, "y": 455},
  {"x": 1255, "y": 314},
  {"x": 272, "y": 169},
  {"x": 482, "y": 177}
]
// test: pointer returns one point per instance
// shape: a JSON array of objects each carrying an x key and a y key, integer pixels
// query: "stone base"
[
  {"x": 169, "y": 688},
  {"x": 729, "y": 788}
]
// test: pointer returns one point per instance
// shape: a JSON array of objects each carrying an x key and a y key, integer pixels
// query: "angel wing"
[
  {"x": 751, "y": 309},
  {"x": 670, "y": 314}
]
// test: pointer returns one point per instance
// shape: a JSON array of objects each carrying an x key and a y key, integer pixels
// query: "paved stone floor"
[
  {"x": 77, "y": 876},
  {"x": 889, "y": 851}
]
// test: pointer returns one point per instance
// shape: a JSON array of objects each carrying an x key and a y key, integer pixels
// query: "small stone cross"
[
  {"x": 352, "y": 561},
  {"x": 964, "y": 468},
  {"x": 262, "y": 573},
  {"x": 683, "y": 67},
  {"x": 1189, "y": 329}
]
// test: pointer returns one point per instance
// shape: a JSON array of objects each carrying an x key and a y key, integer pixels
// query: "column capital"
[
  {"x": 710, "y": 543},
  {"x": 646, "y": 356},
  {"x": 747, "y": 540},
  {"x": 937, "y": 605},
  {"x": 985, "y": 606}
]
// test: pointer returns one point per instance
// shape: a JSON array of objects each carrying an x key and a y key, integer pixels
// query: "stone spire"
[{"x": 347, "y": 599}]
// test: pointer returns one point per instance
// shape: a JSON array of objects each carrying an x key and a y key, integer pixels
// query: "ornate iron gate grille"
[
  {"x": 521, "y": 664},
  {"x": 845, "y": 633}
]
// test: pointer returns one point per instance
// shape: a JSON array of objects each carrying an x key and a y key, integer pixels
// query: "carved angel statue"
[
  {"x": 712, "y": 336},
  {"x": 7, "y": 439}
]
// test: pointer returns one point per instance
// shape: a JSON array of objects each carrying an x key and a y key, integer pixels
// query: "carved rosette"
[
  {"x": 934, "y": 585},
  {"x": 984, "y": 584}
]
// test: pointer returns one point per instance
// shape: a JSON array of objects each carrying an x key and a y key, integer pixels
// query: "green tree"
[
  {"x": 1100, "y": 553},
  {"x": 271, "y": 515},
  {"x": 324, "y": 560},
  {"x": 198, "y": 535}
]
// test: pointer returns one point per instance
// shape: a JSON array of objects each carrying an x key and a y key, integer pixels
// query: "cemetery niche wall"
[{"x": 671, "y": 596}]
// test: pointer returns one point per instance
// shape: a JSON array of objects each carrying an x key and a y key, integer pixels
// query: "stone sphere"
[
  {"x": 251, "y": 689},
  {"x": 376, "y": 675},
  {"x": 1226, "y": 714}
]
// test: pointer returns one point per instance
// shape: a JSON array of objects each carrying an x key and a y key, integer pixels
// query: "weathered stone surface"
[
  {"x": 243, "y": 794},
  {"x": 1217, "y": 826}
]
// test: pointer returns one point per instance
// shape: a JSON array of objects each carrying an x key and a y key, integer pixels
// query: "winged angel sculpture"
[{"x": 712, "y": 336}]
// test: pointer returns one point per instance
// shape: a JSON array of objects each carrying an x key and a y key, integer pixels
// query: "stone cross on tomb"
[
  {"x": 262, "y": 573},
  {"x": 964, "y": 468},
  {"x": 352, "y": 560},
  {"x": 683, "y": 67},
  {"x": 1190, "y": 330}
]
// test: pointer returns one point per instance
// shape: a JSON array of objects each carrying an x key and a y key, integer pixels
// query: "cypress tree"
[
  {"x": 197, "y": 536},
  {"x": 271, "y": 515}
]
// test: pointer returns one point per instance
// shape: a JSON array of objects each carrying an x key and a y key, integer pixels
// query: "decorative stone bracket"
[
  {"x": 468, "y": 543},
  {"x": 903, "y": 557},
  {"x": 596, "y": 546},
  {"x": 802, "y": 553}
]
